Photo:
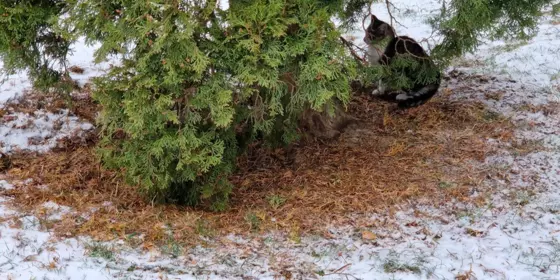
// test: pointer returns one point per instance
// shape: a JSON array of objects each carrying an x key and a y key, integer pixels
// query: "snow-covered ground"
[
  {"x": 81, "y": 55},
  {"x": 516, "y": 236},
  {"x": 40, "y": 130}
]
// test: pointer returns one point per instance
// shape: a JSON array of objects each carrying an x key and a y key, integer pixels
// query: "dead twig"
[{"x": 351, "y": 47}]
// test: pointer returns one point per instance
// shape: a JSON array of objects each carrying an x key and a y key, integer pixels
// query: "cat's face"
[{"x": 378, "y": 31}]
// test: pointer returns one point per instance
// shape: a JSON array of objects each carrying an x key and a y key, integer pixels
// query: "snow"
[
  {"x": 12, "y": 87},
  {"x": 223, "y": 4},
  {"x": 38, "y": 131},
  {"x": 4, "y": 185},
  {"x": 516, "y": 236},
  {"x": 534, "y": 61},
  {"x": 27, "y": 253},
  {"x": 81, "y": 54}
]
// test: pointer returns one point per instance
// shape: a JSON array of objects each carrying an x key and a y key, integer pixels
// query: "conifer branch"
[
  {"x": 409, "y": 52},
  {"x": 351, "y": 47},
  {"x": 389, "y": 5}
]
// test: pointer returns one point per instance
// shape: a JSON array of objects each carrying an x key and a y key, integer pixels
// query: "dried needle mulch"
[{"x": 387, "y": 158}]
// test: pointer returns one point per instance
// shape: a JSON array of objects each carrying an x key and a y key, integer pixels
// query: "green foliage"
[
  {"x": 194, "y": 78},
  {"x": 196, "y": 84},
  {"x": 253, "y": 221},
  {"x": 99, "y": 250},
  {"x": 462, "y": 23},
  {"x": 555, "y": 9},
  {"x": 28, "y": 41},
  {"x": 204, "y": 228},
  {"x": 405, "y": 66},
  {"x": 275, "y": 201},
  {"x": 172, "y": 248},
  {"x": 393, "y": 266}
]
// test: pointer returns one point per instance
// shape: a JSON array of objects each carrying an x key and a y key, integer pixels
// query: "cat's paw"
[
  {"x": 403, "y": 97},
  {"x": 378, "y": 91}
]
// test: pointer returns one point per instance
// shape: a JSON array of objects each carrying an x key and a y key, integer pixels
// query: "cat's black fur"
[{"x": 420, "y": 93}]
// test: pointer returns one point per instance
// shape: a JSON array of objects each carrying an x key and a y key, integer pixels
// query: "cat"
[{"x": 379, "y": 32}]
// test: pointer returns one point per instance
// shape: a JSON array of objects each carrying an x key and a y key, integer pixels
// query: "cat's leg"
[
  {"x": 383, "y": 91},
  {"x": 403, "y": 96},
  {"x": 416, "y": 98},
  {"x": 380, "y": 90}
]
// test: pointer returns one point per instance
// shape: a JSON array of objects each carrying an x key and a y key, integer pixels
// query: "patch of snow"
[
  {"x": 81, "y": 55},
  {"x": 28, "y": 253},
  {"x": 38, "y": 131},
  {"x": 13, "y": 86},
  {"x": 534, "y": 61},
  {"x": 223, "y": 4},
  {"x": 55, "y": 211},
  {"x": 4, "y": 185}
]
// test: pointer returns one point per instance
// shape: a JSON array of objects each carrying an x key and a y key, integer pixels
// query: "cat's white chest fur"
[{"x": 374, "y": 54}]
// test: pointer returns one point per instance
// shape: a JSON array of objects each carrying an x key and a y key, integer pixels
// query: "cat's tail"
[{"x": 417, "y": 98}]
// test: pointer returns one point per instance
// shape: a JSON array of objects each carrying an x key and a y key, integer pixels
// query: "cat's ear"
[
  {"x": 384, "y": 27},
  {"x": 387, "y": 29},
  {"x": 373, "y": 18}
]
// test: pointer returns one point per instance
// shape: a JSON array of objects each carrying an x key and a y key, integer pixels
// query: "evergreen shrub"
[{"x": 196, "y": 83}]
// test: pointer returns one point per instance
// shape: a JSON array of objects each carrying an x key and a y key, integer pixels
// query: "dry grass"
[{"x": 388, "y": 158}]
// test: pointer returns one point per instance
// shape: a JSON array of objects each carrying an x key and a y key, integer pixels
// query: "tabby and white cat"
[{"x": 381, "y": 33}]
